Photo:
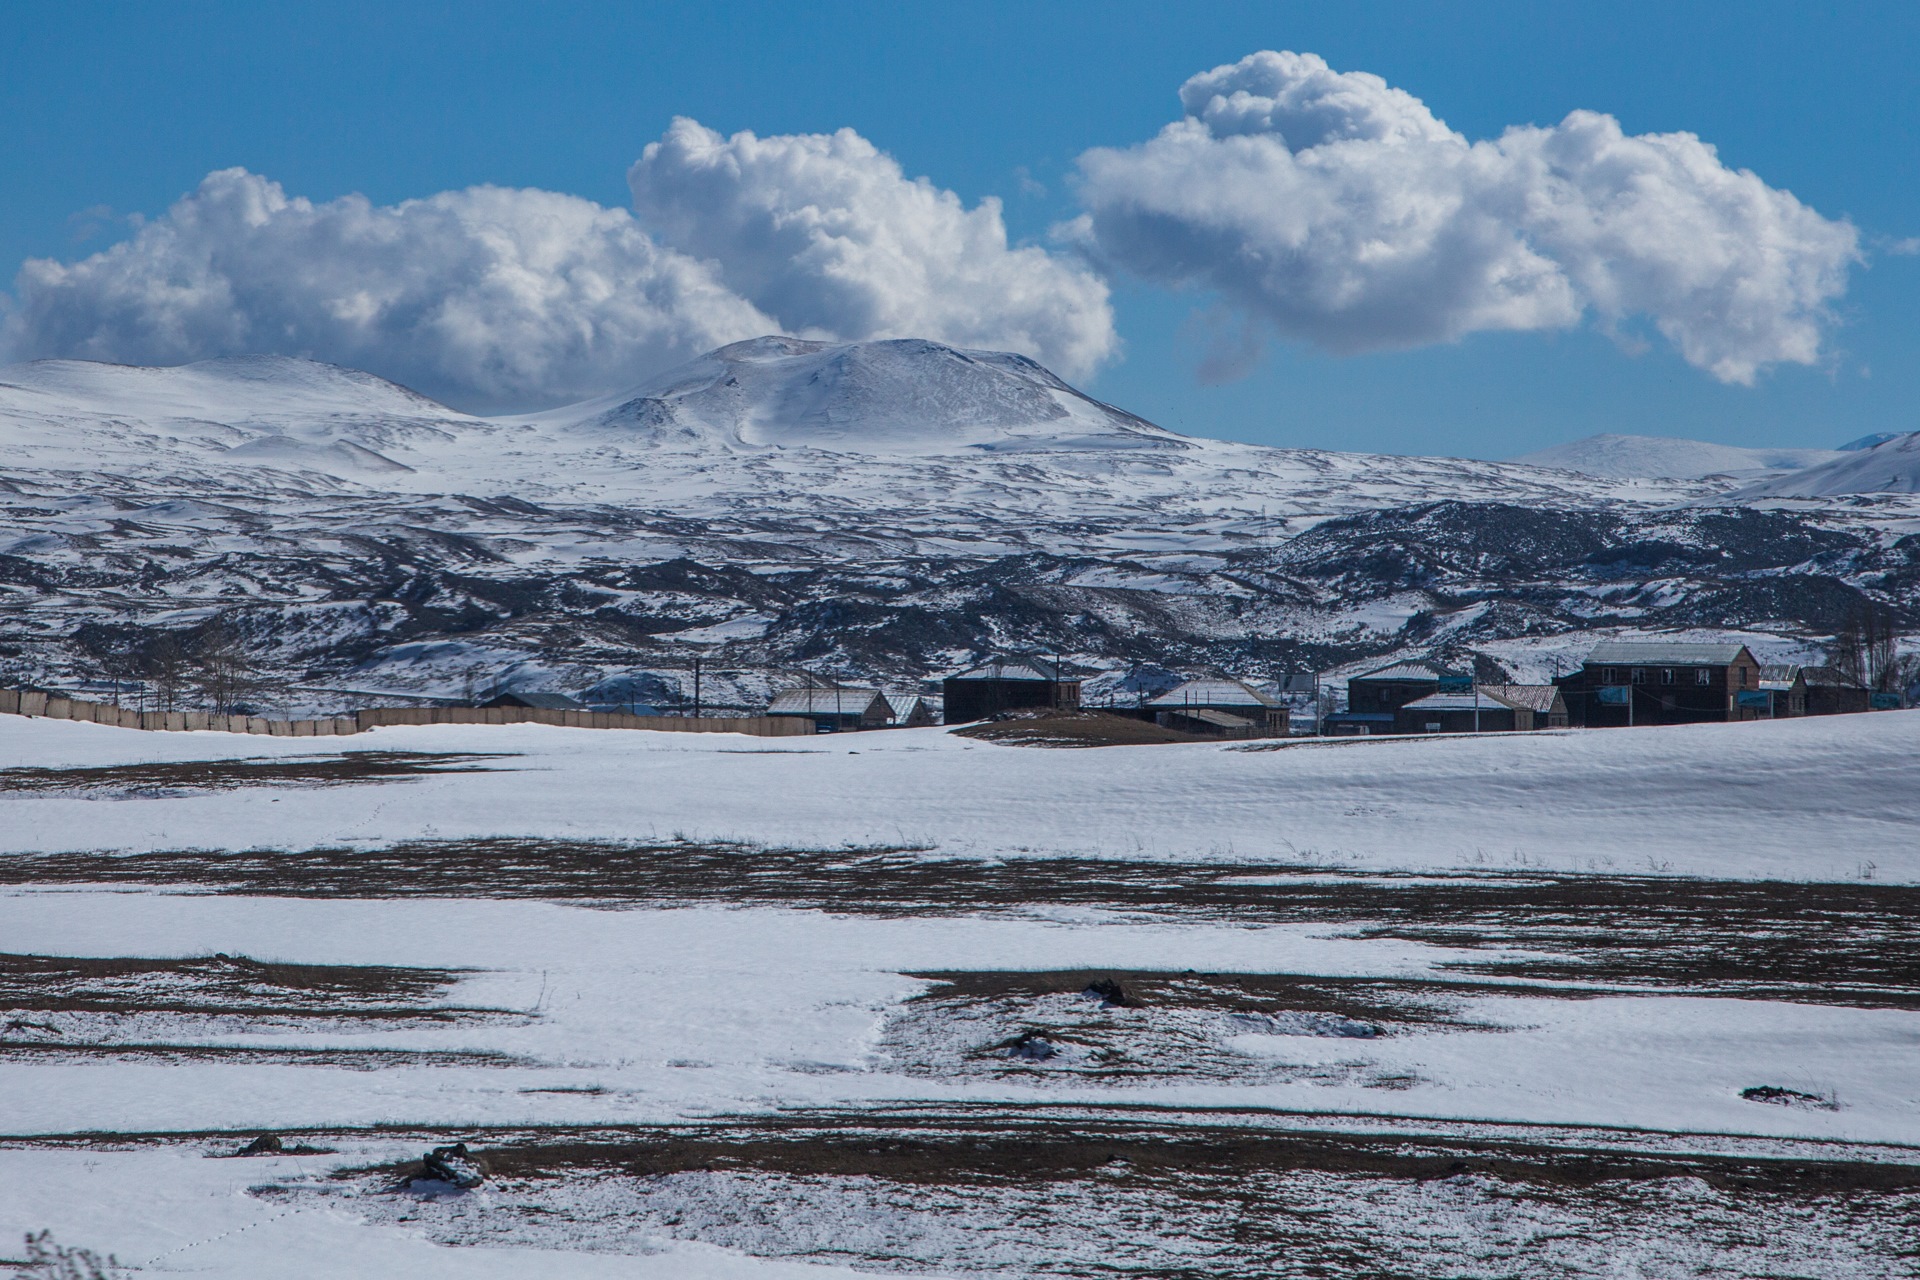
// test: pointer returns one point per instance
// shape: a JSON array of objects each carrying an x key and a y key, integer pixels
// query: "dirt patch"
[
  {"x": 1039, "y": 728},
  {"x": 1853, "y": 944},
  {"x": 146, "y": 1008},
  {"x": 187, "y": 777},
  {"x": 1095, "y": 1194},
  {"x": 1067, "y": 1027}
]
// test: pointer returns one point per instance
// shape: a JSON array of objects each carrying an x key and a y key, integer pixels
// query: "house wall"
[
  {"x": 970, "y": 700},
  {"x": 1685, "y": 701}
]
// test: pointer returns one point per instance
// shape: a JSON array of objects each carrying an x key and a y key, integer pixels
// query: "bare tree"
[
  {"x": 1866, "y": 648},
  {"x": 165, "y": 668},
  {"x": 223, "y": 672}
]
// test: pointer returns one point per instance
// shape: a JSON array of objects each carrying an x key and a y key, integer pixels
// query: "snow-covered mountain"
[
  {"x": 882, "y": 509},
  {"x": 1624, "y": 457},
  {"x": 1891, "y": 466}
]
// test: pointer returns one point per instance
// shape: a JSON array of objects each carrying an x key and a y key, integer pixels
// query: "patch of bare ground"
[
  {"x": 62, "y": 1006},
  {"x": 1076, "y": 1026},
  {"x": 1048, "y": 728},
  {"x": 189, "y": 776},
  {"x": 1855, "y": 944},
  {"x": 1096, "y": 1193}
]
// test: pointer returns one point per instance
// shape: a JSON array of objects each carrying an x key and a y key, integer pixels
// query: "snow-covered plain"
[{"x": 592, "y": 1013}]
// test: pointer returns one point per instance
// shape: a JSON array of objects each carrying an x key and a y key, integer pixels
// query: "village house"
[
  {"x": 1487, "y": 708},
  {"x": 913, "y": 711},
  {"x": 1220, "y": 708},
  {"x": 834, "y": 709},
  {"x": 1638, "y": 682},
  {"x": 539, "y": 701},
  {"x": 1832, "y": 692},
  {"x": 1374, "y": 698},
  {"x": 1008, "y": 684}
]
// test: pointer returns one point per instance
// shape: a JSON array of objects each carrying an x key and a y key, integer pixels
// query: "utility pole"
[{"x": 696, "y": 688}]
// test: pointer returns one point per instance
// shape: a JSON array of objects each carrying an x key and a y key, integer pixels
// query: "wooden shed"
[
  {"x": 834, "y": 709},
  {"x": 1008, "y": 684}
]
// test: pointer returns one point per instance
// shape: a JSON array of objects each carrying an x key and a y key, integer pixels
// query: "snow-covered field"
[{"x": 712, "y": 1005}]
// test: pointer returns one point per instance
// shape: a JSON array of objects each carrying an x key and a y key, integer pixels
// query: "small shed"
[
  {"x": 1476, "y": 711},
  {"x": 1786, "y": 688},
  {"x": 913, "y": 711},
  {"x": 1541, "y": 706},
  {"x": 836, "y": 709},
  {"x": 1263, "y": 715},
  {"x": 1008, "y": 684},
  {"x": 537, "y": 701},
  {"x": 1356, "y": 724},
  {"x": 1209, "y": 722}
]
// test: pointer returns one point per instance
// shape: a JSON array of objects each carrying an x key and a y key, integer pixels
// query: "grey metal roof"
[
  {"x": 1213, "y": 693},
  {"x": 1781, "y": 673},
  {"x": 1457, "y": 702},
  {"x": 827, "y": 702},
  {"x": 543, "y": 701},
  {"x": 1663, "y": 653},
  {"x": 1023, "y": 668},
  {"x": 1831, "y": 678},
  {"x": 1531, "y": 697},
  {"x": 1416, "y": 669},
  {"x": 1219, "y": 719}
]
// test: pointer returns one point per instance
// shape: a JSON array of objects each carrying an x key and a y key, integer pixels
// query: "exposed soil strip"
[
  {"x": 1000, "y": 1144},
  {"x": 356, "y": 1059},
  {"x": 217, "y": 983},
  {"x": 344, "y": 769},
  {"x": 1831, "y": 943},
  {"x": 1073, "y": 729}
]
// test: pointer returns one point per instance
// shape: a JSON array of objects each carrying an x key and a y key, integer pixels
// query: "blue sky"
[{"x": 114, "y": 110}]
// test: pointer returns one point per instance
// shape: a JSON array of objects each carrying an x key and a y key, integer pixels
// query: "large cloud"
[
  {"x": 489, "y": 297},
  {"x": 825, "y": 233},
  {"x": 1339, "y": 209}
]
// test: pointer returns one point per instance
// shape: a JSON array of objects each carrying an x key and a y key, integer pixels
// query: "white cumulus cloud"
[
  {"x": 1341, "y": 211},
  {"x": 488, "y": 297},
  {"x": 825, "y": 233}
]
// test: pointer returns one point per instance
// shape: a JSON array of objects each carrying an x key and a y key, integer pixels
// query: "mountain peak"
[{"x": 887, "y": 396}]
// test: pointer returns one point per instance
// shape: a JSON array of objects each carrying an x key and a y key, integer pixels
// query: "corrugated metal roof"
[
  {"x": 826, "y": 702},
  {"x": 1411, "y": 670},
  {"x": 1533, "y": 697},
  {"x": 1213, "y": 693},
  {"x": 1831, "y": 678},
  {"x": 1657, "y": 653},
  {"x": 1012, "y": 669},
  {"x": 1219, "y": 719},
  {"x": 1457, "y": 702},
  {"x": 543, "y": 701},
  {"x": 1781, "y": 673}
]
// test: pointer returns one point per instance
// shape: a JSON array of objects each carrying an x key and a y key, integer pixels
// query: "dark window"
[
  {"x": 1609, "y": 675},
  {"x": 1743, "y": 677},
  {"x": 1639, "y": 675},
  {"x": 1703, "y": 676},
  {"x": 1666, "y": 675}
]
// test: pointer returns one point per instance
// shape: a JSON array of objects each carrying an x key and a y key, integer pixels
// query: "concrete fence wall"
[{"x": 25, "y": 703}]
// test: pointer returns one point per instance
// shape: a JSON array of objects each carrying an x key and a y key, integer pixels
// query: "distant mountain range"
[{"x": 883, "y": 510}]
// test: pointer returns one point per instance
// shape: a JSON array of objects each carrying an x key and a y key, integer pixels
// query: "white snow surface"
[
  {"x": 765, "y": 425},
  {"x": 1892, "y": 466},
  {"x": 669, "y": 1014},
  {"x": 1627, "y": 457},
  {"x": 1808, "y": 799}
]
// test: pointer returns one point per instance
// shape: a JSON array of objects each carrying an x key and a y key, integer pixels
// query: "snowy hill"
[
  {"x": 884, "y": 510},
  {"x": 898, "y": 397},
  {"x": 1624, "y": 457},
  {"x": 1892, "y": 466}
]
